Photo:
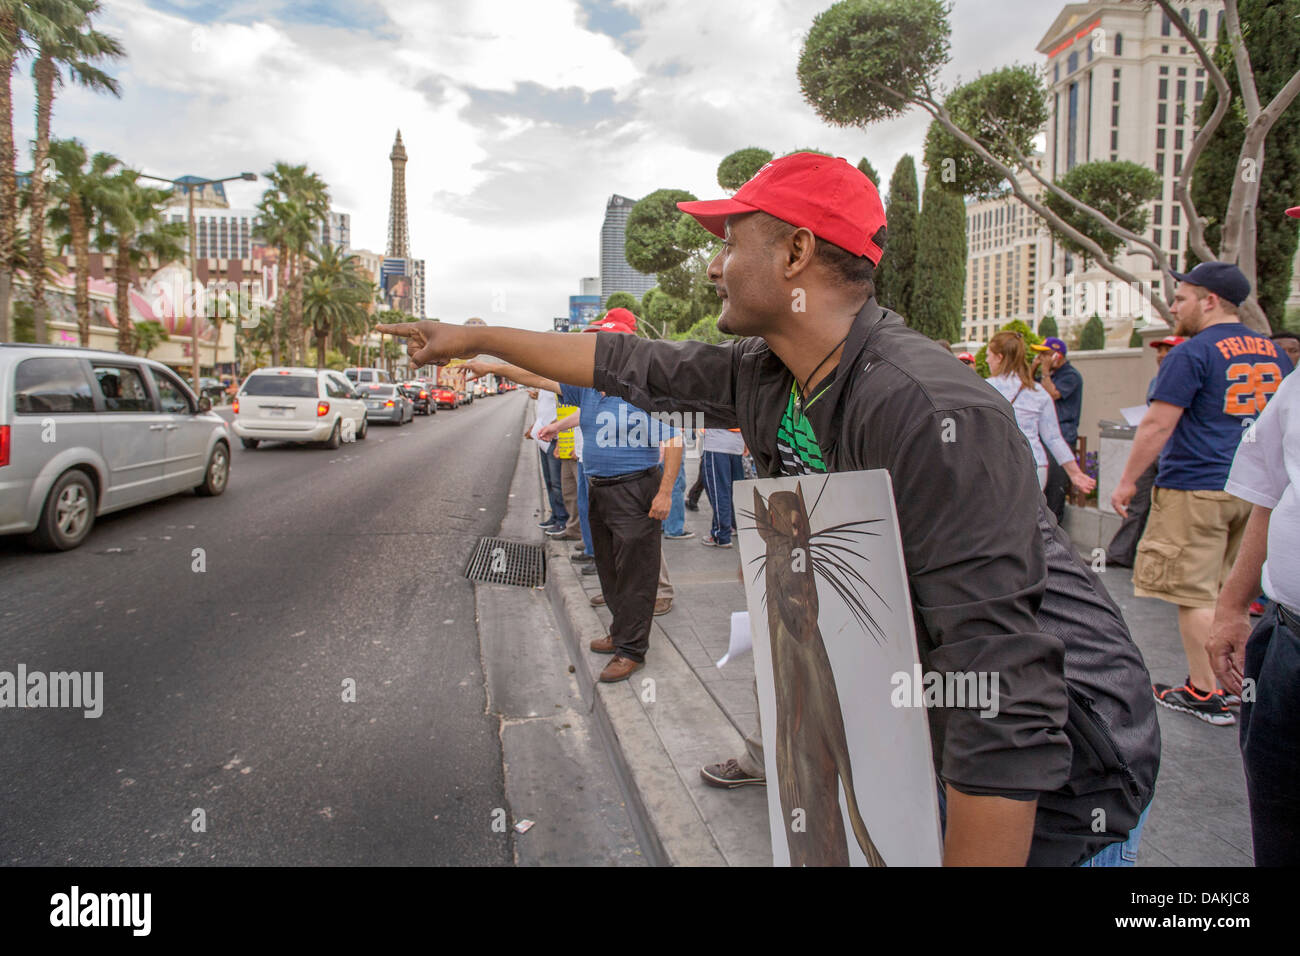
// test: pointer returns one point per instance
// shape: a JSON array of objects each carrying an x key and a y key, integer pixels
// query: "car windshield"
[
  {"x": 378, "y": 391},
  {"x": 282, "y": 386}
]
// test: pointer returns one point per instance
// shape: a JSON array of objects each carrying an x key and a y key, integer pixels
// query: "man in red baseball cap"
[{"x": 828, "y": 380}]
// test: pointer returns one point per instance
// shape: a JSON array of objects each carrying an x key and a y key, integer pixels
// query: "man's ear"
[{"x": 800, "y": 248}]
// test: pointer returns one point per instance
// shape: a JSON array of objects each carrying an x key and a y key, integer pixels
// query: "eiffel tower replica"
[{"x": 399, "y": 238}]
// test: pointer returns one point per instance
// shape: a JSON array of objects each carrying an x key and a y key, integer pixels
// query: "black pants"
[
  {"x": 1270, "y": 738},
  {"x": 1056, "y": 488},
  {"x": 626, "y": 542},
  {"x": 1122, "y": 549},
  {"x": 697, "y": 489}
]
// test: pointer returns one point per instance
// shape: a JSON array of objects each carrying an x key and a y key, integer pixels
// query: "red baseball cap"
[
  {"x": 615, "y": 320},
  {"x": 966, "y": 357},
  {"x": 1294, "y": 211},
  {"x": 1168, "y": 340},
  {"x": 829, "y": 197}
]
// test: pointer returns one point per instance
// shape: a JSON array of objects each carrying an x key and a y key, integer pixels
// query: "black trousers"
[
  {"x": 1270, "y": 738},
  {"x": 1122, "y": 549},
  {"x": 626, "y": 542},
  {"x": 697, "y": 489},
  {"x": 1056, "y": 488}
]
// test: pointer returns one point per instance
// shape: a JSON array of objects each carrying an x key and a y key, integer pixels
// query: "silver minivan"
[{"x": 85, "y": 432}]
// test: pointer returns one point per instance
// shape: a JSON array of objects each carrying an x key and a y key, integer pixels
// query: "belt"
[{"x": 602, "y": 481}]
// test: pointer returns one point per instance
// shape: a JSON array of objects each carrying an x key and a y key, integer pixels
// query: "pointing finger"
[{"x": 397, "y": 328}]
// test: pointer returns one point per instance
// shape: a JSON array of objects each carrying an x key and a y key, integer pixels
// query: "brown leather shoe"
[
  {"x": 620, "y": 668},
  {"x": 602, "y": 645},
  {"x": 663, "y": 606},
  {"x": 598, "y": 600}
]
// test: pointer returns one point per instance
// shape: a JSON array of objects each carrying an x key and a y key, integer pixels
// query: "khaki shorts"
[{"x": 1190, "y": 543}]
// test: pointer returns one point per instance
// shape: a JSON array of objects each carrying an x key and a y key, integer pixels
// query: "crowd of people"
[{"x": 843, "y": 385}]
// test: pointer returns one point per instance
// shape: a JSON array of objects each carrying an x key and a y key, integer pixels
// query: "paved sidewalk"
[{"x": 1199, "y": 816}]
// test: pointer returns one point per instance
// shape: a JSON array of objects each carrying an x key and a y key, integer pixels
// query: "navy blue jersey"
[{"x": 1222, "y": 378}]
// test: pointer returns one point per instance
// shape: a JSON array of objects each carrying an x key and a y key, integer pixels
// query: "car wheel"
[
  {"x": 251, "y": 443},
  {"x": 218, "y": 473},
  {"x": 336, "y": 436},
  {"x": 68, "y": 515},
  {"x": 365, "y": 427}
]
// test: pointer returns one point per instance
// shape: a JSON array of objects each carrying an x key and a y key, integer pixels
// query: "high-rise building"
[
  {"x": 1123, "y": 85},
  {"x": 1006, "y": 250},
  {"x": 615, "y": 274},
  {"x": 226, "y": 233},
  {"x": 399, "y": 238}
]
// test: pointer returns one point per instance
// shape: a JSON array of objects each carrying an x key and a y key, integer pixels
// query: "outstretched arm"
[
  {"x": 514, "y": 373},
  {"x": 560, "y": 356}
]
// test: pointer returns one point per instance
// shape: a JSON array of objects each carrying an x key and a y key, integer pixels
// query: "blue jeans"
[
  {"x": 551, "y": 471},
  {"x": 720, "y": 472},
  {"x": 675, "y": 523},
  {"x": 1270, "y": 737},
  {"x": 582, "y": 510},
  {"x": 1121, "y": 854},
  {"x": 1124, "y": 853}
]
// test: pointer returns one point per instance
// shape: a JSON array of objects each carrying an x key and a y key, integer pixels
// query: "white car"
[{"x": 298, "y": 405}]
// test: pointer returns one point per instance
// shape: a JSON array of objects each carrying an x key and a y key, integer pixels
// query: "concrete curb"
[{"x": 669, "y": 821}]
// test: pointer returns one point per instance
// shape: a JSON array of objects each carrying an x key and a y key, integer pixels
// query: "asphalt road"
[{"x": 223, "y": 688}]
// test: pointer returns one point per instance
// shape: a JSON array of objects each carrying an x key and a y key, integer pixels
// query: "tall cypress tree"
[
  {"x": 1272, "y": 33},
  {"x": 940, "y": 262},
  {"x": 864, "y": 165},
  {"x": 894, "y": 277}
]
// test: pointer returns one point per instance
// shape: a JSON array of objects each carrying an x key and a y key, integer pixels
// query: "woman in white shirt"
[{"x": 1034, "y": 408}]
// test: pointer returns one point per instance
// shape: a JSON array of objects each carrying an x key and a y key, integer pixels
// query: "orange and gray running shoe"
[{"x": 1209, "y": 707}]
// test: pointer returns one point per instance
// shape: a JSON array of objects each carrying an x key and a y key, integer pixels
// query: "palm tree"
[
  {"x": 74, "y": 48},
  {"x": 134, "y": 214},
  {"x": 22, "y": 24},
  {"x": 79, "y": 196},
  {"x": 148, "y": 335},
  {"x": 335, "y": 297},
  {"x": 290, "y": 213}
]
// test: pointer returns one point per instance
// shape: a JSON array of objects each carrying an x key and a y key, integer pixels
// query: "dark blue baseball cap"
[{"x": 1222, "y": 278}]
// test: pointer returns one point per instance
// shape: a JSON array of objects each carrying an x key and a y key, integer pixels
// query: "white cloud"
[{"x": 519, "y": 119}]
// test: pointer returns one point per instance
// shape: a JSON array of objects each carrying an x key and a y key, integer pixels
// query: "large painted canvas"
[{"x": 850, "y": 776}]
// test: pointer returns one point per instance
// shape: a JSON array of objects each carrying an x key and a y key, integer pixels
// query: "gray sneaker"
[
  {"x": 729, "y": 776},
  {"x": 679, "y": 537}
]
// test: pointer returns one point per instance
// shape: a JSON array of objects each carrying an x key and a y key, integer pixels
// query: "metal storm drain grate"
[{"x": 498, "y": 561}]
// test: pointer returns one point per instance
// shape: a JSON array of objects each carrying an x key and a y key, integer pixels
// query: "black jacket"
[{"x": 995, "y": 584}]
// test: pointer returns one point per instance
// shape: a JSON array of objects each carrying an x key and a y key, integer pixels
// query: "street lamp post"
[{"x": 191, "y": 183}]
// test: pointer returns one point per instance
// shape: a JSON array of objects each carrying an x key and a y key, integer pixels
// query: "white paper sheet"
[
  {"x": 741, "y": 642},
  {"x": 1133, "y": 414}
]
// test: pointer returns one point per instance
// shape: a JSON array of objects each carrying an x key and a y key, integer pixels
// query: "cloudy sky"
[{"x": 520, "y": 117}]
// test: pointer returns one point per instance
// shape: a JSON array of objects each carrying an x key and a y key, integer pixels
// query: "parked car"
[
  {"x": 445, "y": 397},
  {"x": 386, "y": 403},
  {"x": 358, "y": 376},
  {"x": 84, "y": 433},
  {"x": 212, "y": 388},
  {"x": 298, "y": 405},
  {"x": 421, "y": 397}
]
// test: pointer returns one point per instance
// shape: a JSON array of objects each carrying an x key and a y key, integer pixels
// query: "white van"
[
  {"x": 298, "y": 405},
  {"x": 85, "y": 432},
  {"x": 368, "y": 376}
]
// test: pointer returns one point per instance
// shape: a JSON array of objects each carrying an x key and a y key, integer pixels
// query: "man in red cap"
[{"x": 827, "y": 380}]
